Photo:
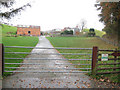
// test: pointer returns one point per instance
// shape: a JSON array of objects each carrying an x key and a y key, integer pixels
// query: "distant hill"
[{"x": 98, "y": 32}]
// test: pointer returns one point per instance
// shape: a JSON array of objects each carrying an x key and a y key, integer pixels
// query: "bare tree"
[{"x": 83, "y": 23}]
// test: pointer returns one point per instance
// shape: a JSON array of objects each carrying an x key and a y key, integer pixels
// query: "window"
[{"x": 29, "y": 32}]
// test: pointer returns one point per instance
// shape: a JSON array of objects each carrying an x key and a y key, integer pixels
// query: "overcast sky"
[{"x": 51, "y": 14}]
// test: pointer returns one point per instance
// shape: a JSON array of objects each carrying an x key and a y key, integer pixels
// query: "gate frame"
[{"x": 93, "y": 64}]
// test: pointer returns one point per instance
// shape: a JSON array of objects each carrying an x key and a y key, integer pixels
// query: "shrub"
[{"x": 66, "y": 32}]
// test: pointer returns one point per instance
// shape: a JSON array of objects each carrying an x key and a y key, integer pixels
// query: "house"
[
  {"x": 76, "y": 31},
  {"x": 28, "y": 30},
  {"x": 55, "y": 32}
]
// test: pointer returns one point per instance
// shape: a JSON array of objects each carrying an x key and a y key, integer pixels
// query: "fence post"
[
  {"x": 94, "y": 59},
  {"x": 1, "y": 59}
]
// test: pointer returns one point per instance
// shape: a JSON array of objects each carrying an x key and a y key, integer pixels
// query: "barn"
[{"x": 28, "y": 30}]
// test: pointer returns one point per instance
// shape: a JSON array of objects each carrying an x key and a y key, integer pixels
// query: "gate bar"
[
  {"x": 45, "y": 68},
  {"x": 50, "y": 71},
  {"x": 43, "y": 64},
  {"x": 108, "y": 50},
  {"x": 48, "y": 48},
  {"x": 48, "y": 53},
  {"x": 108, "y": 63},
  {"x": 46, "y": 59}
]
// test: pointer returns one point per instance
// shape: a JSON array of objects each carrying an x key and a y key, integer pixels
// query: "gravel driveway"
[{"x": 48, "y": 80}]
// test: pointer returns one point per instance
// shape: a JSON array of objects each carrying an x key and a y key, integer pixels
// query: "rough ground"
[{"x": 49, "y": 80}]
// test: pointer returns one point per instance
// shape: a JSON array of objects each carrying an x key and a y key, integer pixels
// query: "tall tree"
[{"x": 110, "y": 16}]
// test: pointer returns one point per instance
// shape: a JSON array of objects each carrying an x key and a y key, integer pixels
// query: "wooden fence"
[{"x": 107, "y": 62}]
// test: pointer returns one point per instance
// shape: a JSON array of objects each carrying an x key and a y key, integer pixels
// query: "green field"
[
  {"x": 15, "y": 41},
  {"x": 6, "y": 29},
  {"x": 82, "y": 42}
]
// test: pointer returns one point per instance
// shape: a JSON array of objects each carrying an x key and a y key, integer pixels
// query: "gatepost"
[
  {"x": 1, "y": 60},
  {"x": 94, "y": 59}
]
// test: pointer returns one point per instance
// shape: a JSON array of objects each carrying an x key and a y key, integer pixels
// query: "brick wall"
[{"x": 31, "y": 30}]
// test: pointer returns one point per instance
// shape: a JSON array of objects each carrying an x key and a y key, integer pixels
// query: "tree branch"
[{"x": 13, "y": 12}]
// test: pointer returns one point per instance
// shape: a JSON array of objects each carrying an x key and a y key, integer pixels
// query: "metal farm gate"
[{"x": 82, "y": 63}]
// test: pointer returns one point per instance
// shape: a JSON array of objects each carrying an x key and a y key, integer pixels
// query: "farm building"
[{"x": 28, "y": 30}]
